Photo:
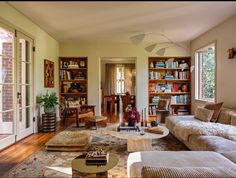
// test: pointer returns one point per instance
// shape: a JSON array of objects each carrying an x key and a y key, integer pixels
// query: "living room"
[{"x": 101, "y": 30}]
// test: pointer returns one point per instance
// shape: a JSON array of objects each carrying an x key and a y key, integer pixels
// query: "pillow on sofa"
[
  {"x": 203, "y": 114},
  {"x": 216, "y": 108},
  {"x": 73, "y": 103},
  {"x": 187, "y": 172},
  {"x": 233, "y": 119}
]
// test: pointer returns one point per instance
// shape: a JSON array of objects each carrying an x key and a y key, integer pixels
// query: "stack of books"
[{"x": 97, "y": 158}]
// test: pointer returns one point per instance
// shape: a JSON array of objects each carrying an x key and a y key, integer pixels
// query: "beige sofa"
[
  {"x": 198, "y": 142},
  {"x": 204, "y": 160},
  {"x": 210, "y": 153}
]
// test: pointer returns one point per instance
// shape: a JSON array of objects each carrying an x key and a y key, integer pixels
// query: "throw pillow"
[
  {"x": 233, "y": 119},
  {"x": 216, "y": 108},
  {"x": 74, "y": 104},
  {"x": 203, "y": 114},
  {"x": 163, "y": 104}
]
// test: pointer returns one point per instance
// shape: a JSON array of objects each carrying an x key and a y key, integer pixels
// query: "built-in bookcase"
[{"x": 170, "y": 76}]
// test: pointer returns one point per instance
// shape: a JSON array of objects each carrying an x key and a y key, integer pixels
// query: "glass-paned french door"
[{"x": 16, "y": 91}]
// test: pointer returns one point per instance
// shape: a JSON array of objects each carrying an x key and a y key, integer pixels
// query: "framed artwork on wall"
[{"x": 48, "y": 74}]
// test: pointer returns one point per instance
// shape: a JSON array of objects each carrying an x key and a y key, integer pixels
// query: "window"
[
  {"x": 120, "y": 80},
  {"x": 205, "y": 73}
]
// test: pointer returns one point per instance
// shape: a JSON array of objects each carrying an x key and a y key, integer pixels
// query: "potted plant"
[
  {"x": 48, "y": 101},
  {"x": 132, "y": 116}
]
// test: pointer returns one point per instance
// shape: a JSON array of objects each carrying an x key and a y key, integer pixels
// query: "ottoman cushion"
[
  {"x": 97, "y": 119},
  {"x": 69, "y": 141}
]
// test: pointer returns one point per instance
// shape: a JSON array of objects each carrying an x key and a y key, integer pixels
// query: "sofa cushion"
[
  {"x": 231, "y": 155},
  {"x": 171, "y": 121},
  {"x": 211, "y": 143},
  {"x": 187, "y": 172},
  {"x": 216, "y": 107},
  {"x": 137, "y": 160},
  {"x": 203, "y": 114}
]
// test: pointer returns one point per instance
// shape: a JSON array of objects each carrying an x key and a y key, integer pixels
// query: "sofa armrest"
[{"x": 231, "y": 155}]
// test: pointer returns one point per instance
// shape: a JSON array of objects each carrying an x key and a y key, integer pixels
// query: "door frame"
[{"x": 13, "y": 138}]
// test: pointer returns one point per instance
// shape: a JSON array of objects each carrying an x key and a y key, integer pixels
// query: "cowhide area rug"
[{"x": 47, "y": 164}]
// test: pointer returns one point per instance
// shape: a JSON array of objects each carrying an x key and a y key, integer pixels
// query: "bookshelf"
[
  {"x": 170, "y": 76},
  {"x": 73, "y": 75}
]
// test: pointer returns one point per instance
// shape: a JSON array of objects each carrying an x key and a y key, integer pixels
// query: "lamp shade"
[
  {"x": 137, "y": 39},
  {"x": 150, "y": 47},
  {"x": 161, "y": 52}
]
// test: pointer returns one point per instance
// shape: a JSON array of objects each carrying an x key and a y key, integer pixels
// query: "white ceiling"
[{"x": 117, "y": 21}]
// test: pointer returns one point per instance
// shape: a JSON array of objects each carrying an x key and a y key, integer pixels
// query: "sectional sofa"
[
  {"x": 213, "y": 150},
  {"x": 219, "y": 136}
]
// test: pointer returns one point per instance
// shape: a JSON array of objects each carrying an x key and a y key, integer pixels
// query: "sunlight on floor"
[{"x": 65, "y": 170}]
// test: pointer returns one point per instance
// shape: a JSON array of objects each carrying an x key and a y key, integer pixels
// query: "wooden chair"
[
  {"x": 125, "y": 101},
  {"x": 80, "y": 112},
  {"x": 163, "y": 108},
  {"x": 111, "y": 101}
]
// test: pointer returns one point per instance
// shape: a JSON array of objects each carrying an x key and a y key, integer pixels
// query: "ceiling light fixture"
[{"x": 137, "y": 39}]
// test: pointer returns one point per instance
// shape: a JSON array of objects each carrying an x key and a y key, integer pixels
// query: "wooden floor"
[{"x": 15, "y": 154}]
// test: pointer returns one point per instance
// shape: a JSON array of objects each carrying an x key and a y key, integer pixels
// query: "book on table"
[{"x": 97, "y": 158}]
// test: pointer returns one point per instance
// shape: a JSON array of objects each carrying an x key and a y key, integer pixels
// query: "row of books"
[
  {"x": 68, "y": 75},
  {"x": 154, "y": 75},
  {"x": 152, "y": 110},
  {"x": 177, "y": 99},
  {"x": 166, "y": 88},
  {"x": 182, "y": 111},
  {"x": 179, "y": 111},
  {"x": 184, "y": 75},
  {"x": 168, "y": 64}
]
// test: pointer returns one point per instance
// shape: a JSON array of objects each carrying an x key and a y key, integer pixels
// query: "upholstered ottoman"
[
  {"x": 95, "y": 121},
  {"x": 69, "y": 141}
]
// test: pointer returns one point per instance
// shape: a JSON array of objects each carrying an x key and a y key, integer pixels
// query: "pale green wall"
[
  {"x": 97, "y": 50},
  {"x": 224, "y": 35},
  {"x": 46, "y": 46}
]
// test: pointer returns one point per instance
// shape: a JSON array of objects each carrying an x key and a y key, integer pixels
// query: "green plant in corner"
[{"x": 49, "y": 101}]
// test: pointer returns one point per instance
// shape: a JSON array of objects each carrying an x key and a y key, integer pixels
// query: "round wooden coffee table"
[
  {"x": 79, "y": 165},
  {"x": 136, "y": 141}
]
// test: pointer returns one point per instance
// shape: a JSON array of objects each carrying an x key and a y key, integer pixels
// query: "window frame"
[
  {"x": 197, "y": 73},
  {"x": 120, "y": 80}
]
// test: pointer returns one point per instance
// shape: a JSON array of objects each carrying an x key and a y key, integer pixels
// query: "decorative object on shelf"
[
  {"x": 48, "y": 74},
  {"x": 137, "y": 39},
  {"x": 74, "y": 88},
  {"x": 131, "y": 116},
  {"x": 82, "y": 64},
  {"x": 49, "y": 101},
  {"x": 151, "y": 65},
  {"x": 231, "y": 53}
]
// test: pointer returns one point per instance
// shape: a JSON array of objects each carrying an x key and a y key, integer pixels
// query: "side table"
[
  {"x": 49, "y": 122},
  {"x": 80, "y": 169}
]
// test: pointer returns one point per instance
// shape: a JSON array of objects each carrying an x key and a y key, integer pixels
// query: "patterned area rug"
[{"x": 58, "y": 164}]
